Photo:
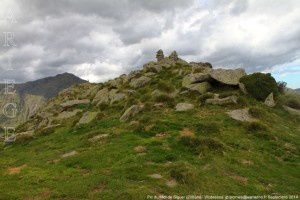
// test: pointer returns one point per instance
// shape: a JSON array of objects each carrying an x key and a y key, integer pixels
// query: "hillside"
[
  {"x": 297, "y": 90},
  {"x": 30, "y": 96},
  {"x": 170, "y": 128}
]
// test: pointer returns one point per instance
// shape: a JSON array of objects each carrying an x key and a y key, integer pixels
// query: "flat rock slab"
[
  {"x": 69, "y": 154},
  {"x": 241, "y": 115},
  {"x": 184, "y": 107},
  {"x": 98, "y": 137},
  {"x": 155, "y": 176},
  {"x": 228, "y": 76}
]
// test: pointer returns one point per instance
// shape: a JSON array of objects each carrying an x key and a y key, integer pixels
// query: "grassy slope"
[{"x": 111, "y": 169}]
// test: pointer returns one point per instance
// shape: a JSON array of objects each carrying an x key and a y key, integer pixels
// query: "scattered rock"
[
  {"x": 139, "y": 82},
  {"x": 140, "y": 149},
  {"x": 200, "y": 87},
  {"x": 68, "y": 114},
  {"x": 87, "y": 118},
  {"x": 269, "y": 101},
  {"x": 160, "y": 55},
  {"x": 72, "y": 153},
  {"x": 171, "y": 183},
  {"x": 74, "y": 102},
  {"x": 101, "y": 97},
  {"x": 11, "y": 139},
  {"x": 241, "y": 115},
  {"x": 223, "y": 101},
  {"x": 228, "y": 76},
  {"x": 131, "y": 112},
  {"x": 292, "y": 111},
  {"x": 184, "y": 106},
  {"x": 195, "y": 78},
  {"x": 155, "y": 176},
  {"x": 98, "y": 137}
]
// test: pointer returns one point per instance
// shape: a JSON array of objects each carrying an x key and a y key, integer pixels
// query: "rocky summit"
[{"x": 169, "y": 127}]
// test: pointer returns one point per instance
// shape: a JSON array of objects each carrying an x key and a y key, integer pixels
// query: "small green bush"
[{"x": 260, "y": 85}]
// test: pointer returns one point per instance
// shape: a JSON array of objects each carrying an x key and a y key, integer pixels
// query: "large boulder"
[
  {"x": 71, "y": 103},
  {"x": 228, "y": 76},
  {"x": 102, "y": 97},
  {"x": 131, "y": 112},
  {"x": 184, "y": 107},
  {"x": 199, "y": 87},
  {"x": 222, "y": 101},
  {"x": 139, "y": 82},
  {"x": 87, "y": 118},
  {"x": 269, "y": 101},
  {"x": 195, "y": 78}
]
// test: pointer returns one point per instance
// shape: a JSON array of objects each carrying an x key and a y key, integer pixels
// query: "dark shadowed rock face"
[{"x": 49, "y": 87}]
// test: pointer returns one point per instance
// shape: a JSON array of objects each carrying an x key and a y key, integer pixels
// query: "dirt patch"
[
  {"x": 186, "y": 133},
  {"x": 16, "y": 170}
]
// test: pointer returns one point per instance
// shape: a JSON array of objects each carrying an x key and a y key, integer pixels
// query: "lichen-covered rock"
[
  {"x": 87, "y": 118},
  {"x": 139, "y": 82},
  {"x": 223, "y": 101},
  {"x": 74, "y": 103},
  {"x": 269, "y": 101},
  {"x": 228, "y": 76},
  {"x": 199, "y": 87},
  {"x": 194, "y": 78},
  {"x": 102, "y": 97},
  {"x": 116, "y": 97},
  {"x": 131, "y": 112},
  {"x": 184, "y": 106}
]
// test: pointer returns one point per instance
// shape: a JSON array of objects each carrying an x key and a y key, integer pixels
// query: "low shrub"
[
  {"x": 260, "y": 85},
  {"x": 281, "y": 87}
]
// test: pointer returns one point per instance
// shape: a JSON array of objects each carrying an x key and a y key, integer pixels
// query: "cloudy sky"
[{"x": 101, "y": 39}]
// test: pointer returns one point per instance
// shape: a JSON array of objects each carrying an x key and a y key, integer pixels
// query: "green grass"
[{"x": 224, "y": 157}]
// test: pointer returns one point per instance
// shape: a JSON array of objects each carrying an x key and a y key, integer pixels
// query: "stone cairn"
[
  {"x": 160, "y": 55},
  {"x": 174, "y": 56}
]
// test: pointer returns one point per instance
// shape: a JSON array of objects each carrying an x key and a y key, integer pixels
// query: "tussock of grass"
[
  {"x": 257, "y": 112},
  {"x": 183, "y": 173}
]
